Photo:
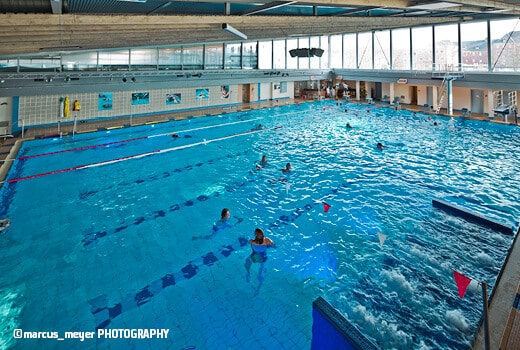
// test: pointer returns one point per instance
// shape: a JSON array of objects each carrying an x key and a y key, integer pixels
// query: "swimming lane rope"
[{"x": 137, "y": 156}]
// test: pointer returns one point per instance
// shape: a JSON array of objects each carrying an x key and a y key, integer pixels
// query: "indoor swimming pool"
[{"x": 114, "y": 229}]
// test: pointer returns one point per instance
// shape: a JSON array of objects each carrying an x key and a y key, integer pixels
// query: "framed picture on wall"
[
  {"x": 224, "y": 91},
  {"x": 201, "y": 94},
  {"x": 173, "y": 99},
  {"x": 140, "y": 98},
  {"x": 105, "y": 101}
]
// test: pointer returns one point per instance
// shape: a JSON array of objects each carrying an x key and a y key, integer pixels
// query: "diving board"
[{"x": 474, "y": 217}]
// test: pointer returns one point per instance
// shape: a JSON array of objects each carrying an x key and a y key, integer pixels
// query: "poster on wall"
[
  {"x": 201, "y": 94},
  {"x": 224, "y": 90},
  {"x": 173, "y": 99},
  {"x": 140, "y": 98},
  {"x": 105, "y": 101}
]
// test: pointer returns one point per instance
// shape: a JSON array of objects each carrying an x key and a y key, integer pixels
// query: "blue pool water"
[{"x": 103, "y": 227}]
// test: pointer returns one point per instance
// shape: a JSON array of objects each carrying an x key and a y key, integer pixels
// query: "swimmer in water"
[
  {"x": 262, "y": 163},
  {"x": 220, "y": 224},
  {"x": 258, "y": 255}
]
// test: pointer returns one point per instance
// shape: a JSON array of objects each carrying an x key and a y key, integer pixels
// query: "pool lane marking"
[
  {"x": 131, "y": 140},
  {"x": 163, "y": 175},
  {"x": 82, "y": 148},
  {"x": 104, "y": 313},
  {"x": 137, "y": 156},
  {"x": 147, "y": 137},
  {"x": 93, "y": 236}
]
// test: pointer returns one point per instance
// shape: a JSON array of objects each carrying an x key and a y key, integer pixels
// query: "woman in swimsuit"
[{"x": 259, "y": 247}]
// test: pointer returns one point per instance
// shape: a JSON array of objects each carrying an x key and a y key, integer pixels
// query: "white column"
[
  {"x": 392, "y": 92},
  {"x": 358, "y": 90},
  {"x": 449, "y": 96},
  {"x": 435, "y": 98},
  {"x": 368, "y": 88},
  {"x": 491, "y": 103}
]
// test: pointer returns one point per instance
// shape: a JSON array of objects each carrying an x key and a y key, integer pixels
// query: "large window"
[
  {"x": 505, "y": 46},
  {"x": 473, "y": 42},
  {"x": 79, "y": 61},
  {"x": 446, "y": 47},
  {"x": 193, "y": 57},
  {"x": 349, "y": 51},
  {"x": 401, "y": 49},
  {"x": 365, "y": 50},
  {"x": 170, "y": 58},
  {"x": 114, "y": 60},
  {"x": 336, "y": 51},
  {"x": 250, "y": 55},
  {"x": 144, "y": 58},
  {"x": 292, "y": 62},
  {"x": 265, "y": 55},
  {"x": 279, "y": 54},
  {"x": 303, "y": 62},
  {"x": 214, "y": 57},
  {"x": 232, "y": 59},
  {"x": 422, "y": 48},
  {"x": 382, "y": 49},
  {"x": 324, "y": 45},
  {"x": 315, "y": 61}
]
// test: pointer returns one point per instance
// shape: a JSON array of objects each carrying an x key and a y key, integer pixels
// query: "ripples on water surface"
[{"x": 112, "y": 230}]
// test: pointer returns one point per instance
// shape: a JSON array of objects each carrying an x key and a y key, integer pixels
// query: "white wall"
[{"x": 45, "y": 109}]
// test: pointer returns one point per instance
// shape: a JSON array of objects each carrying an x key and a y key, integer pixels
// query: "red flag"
[
  {"x": 462, "y": 282},
  {"x": 326, "y": 207}
]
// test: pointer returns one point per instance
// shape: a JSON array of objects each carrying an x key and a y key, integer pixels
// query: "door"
[
  {"x": 246, "y": 93},
  {"x": 477, "y": 101}
]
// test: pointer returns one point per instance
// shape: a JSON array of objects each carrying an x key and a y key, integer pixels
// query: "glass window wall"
[
  {"x": 324, "y": 59},
  {"x": 143, "y": 58},
  {"x": 446, "y": 47},
  {"x": 193, "y": 57},
  {"x": 474, "y": 48},
  {"x": 382, "y": 49},
  {"x": 303, "y": 62},
  {"x": 279, "y": 54},
  {"x": 265, "y": 55},
  {"x": 336, "y": 51},
  {"x": 422, "y": 48},
  {"x": 292, "y": 62},
  {"x": 349, "y": 51},
  {"x": 232, "y": 59},
  {"x": 505, "y": 46},
  {"x": 250, "y": 55},
  {"x": 214, "y": 58},
  {"x": 170, "y": 58},
  {"x": 314, "y": 61},
  {"x": 114, "y": 60},
  {"x": 365, "y": 50},
  {"x": 401, "y": 49}
]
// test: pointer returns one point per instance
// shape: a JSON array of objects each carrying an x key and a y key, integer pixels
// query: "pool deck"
[{"x": 504, "y": 314}]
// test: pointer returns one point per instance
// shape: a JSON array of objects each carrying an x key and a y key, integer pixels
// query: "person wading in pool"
[
  {"x": 258, "y": 255},
  {"x": 262, "y": 163},
  {"x": 222, "y": 223}
]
